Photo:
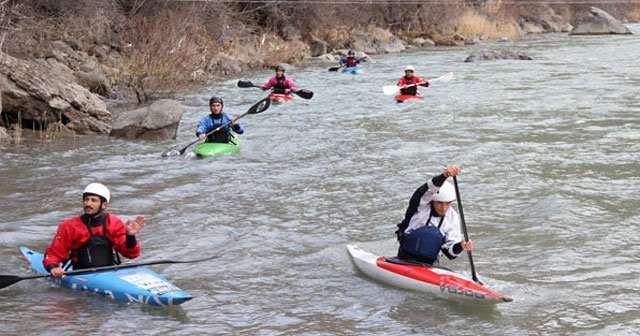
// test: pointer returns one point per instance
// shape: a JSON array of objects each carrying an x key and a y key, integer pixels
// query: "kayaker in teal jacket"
[
  {"x": 90, "y": 240},
  {"x": 215, "y": 120},
  {"x": 430, "y": 224}
]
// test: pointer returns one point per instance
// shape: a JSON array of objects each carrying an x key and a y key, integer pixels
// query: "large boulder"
[
  {"x": 317, "y": 47},
  {"x": 33, "y": 93},
  {"x": 158, "y": 121},
  {"x": 378, "y": 41},
  {"x": 599, "y": 22},
  {"x": 543, "y": 20},
  {"x": 496, "y": 55}
]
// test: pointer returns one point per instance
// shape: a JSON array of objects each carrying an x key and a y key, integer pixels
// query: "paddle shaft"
[
  {"x": 8, "y": 280},
  {"x": 302, "y": 93},
  {"x": 392, "y": 89},
  {"x": 464, "y": 231}
]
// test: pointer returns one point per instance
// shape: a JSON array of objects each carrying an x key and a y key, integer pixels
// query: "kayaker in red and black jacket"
[
  {"x": 89, "y": 240},
  {"x": 430, "y": 224},
  {"x": 409, "y": 82},
  {"x": 351, "y": 60}
]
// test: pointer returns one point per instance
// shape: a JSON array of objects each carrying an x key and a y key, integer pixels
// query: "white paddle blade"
[
  {"x": 444, "y": 78},
  {"x": 390, "y": 89}
]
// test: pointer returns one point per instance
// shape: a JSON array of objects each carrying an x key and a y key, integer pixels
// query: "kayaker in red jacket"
[
  {"x": 409, "y": 82},
  {"x": 90, "y": 239}
]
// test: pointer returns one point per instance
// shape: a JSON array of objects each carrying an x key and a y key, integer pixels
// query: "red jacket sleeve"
[
  {"x": 117, "y": 234},
  {"x": 60, "y": 247},
  {"x": 418, "y": 80},
  {"x": 401, "y": 82}
]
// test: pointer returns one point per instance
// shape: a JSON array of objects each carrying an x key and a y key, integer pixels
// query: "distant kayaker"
[
  {"x": 409, "y": 83},
  {"x": 216, "y": 119},
  {"x": 351, "y": 60},
  {"x": 430, "y": 224},
  {"x": 279, "y": 83},
  {"x": 89, "y": 240}
]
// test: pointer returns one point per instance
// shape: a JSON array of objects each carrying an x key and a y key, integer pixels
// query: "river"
[{"x": 550, "y": 183}]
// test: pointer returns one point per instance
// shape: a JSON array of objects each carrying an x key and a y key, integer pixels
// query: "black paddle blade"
[
  {"x": 8, "y": 280},
  {"x": 260, "y": 106},
  {"x": 304, "y": 93},
  {"x": 334, "y": 69},
  {"x": 246, "y": 84}
]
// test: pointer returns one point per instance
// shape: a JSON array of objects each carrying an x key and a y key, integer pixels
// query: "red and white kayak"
[
  {"x": 401, "y": 98},
  {"x": 279, "y": 97},
  {"x": 440, "y": 281}
]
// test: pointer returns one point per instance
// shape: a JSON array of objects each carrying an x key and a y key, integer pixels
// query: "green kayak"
[{"x": 208, "y": 149}]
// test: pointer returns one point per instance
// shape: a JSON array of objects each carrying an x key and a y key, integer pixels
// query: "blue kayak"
[
  {"x": 137, "y": 284},
  {"x": 354, "y": 69}
]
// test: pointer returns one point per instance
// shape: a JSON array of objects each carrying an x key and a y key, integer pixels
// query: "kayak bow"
[
  {"x": 401, "y": 98},
  {"x": 209, "y": 149}
]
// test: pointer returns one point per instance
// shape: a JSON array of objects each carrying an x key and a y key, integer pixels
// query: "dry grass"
[
  {"x": 633, "y": 15},
  {"x": 336, "y": 38},
  {"x": 164, "y": 57},
  {"x": 472, "y": 23}
]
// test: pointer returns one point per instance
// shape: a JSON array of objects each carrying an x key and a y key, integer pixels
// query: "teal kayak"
[
  {"x": 354, "y": 69},
  {"x": 208, "y": 149},
  {"x": 136, "y": 284}
]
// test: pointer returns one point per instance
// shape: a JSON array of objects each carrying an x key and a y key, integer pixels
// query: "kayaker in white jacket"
[{"x": 430, "y": 224}]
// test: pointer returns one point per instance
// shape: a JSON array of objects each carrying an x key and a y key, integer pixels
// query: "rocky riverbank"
[{"x": 69, "y": 84}]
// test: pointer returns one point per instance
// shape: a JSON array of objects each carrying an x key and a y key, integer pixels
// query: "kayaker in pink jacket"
[{"x": 280, "y": 84}]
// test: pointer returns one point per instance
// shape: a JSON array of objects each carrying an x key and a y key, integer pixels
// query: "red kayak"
[
  {"x": 279, "y": 97},
  {"x": 439, "y": 281},
  {"x": 401, "y": 98}
]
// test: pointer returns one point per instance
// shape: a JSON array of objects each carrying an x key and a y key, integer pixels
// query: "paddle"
[
  {"x": 464, "y": 231},
  {"x": 258, "y": 107},
  {"x": 8, "y": 280},
  {"x": 303, "y": 93},
  {"x": 393, "y": 89}
]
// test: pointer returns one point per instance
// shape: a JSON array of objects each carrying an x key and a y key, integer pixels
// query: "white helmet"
[
  {"x": 409, "y": 68},
  {"x": 97, "y": 189},
  {"x": 446, "y": 193}
]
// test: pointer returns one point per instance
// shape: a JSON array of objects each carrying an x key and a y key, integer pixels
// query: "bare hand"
[
  {"x": 467, "y": 245},
  {"x": 234, "y": 121},
  {"x": 262, "y": 87},
  {"x": 452, "y": 170},
  {"x": 286, "y": 91},
  {"x": 133, "y": 226},
  {"x": 57, "y": 272},
  {"x": 202, "y": 136}
]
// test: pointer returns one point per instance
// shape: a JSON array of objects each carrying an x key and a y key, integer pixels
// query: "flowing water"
[{"x": 550, "y": 152}]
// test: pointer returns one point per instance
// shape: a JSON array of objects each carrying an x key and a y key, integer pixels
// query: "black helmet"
[
  {"x": 352, "y": 53},
  {"x": 280, "y": 67},
  {"x": 216, "y": 100}
]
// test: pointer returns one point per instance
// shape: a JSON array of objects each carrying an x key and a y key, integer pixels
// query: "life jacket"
[
  {"x": 423, "y": 244},
  {"x": 98, "y": 250},
  {"x": 351, "y": 62},
  {"x": 222, "y": 135},
  {"x": 280, "y": 85},
  {"x": 412, "y": 90}
]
